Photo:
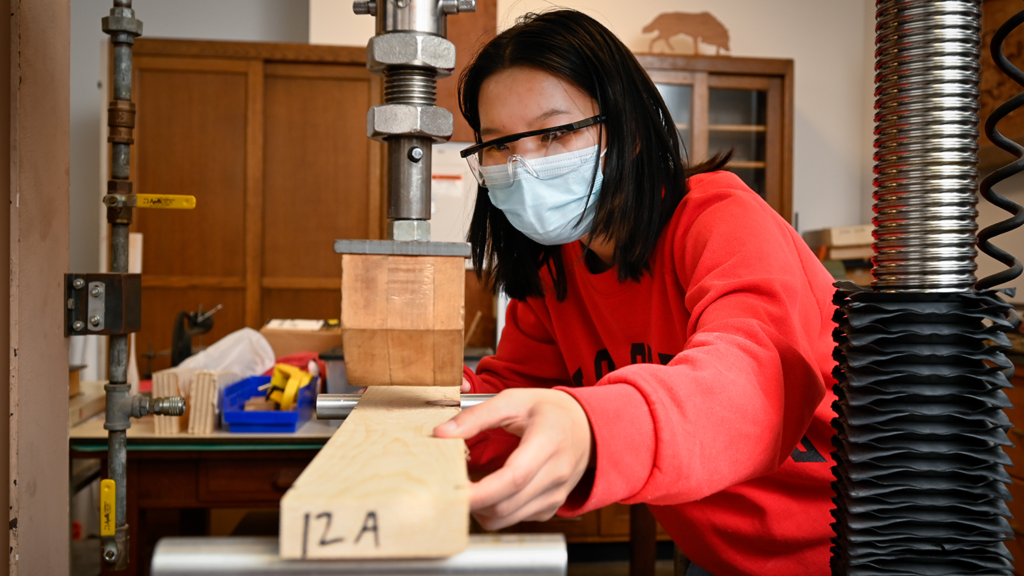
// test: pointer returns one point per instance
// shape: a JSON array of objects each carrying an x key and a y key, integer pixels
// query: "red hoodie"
[{"x": 707, "y": 384}]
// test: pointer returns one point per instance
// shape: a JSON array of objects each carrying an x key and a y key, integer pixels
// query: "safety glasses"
[{"x": 519, "y": 149}]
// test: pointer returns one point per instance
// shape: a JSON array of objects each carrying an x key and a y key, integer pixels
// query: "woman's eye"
[
  {"x": 553, "y": 136},
  {"x": 500, "y": 147}
]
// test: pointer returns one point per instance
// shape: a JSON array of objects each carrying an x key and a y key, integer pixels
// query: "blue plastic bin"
[{"x": 236, "y": 419}]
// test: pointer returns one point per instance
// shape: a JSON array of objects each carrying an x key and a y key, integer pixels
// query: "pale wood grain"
[
  {"x": 402, "y": 319},
  {"x": 202, "y": 399},
  {"x": 383, "y": 486},
  {"x": 173, "y": 382}
]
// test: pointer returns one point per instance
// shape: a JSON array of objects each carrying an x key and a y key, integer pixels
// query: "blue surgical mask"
[{"x": 544, "y": 198}]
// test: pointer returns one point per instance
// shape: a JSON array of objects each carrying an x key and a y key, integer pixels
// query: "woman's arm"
[
  {"x": 740, "y": 396},
  {"x": 730, "y": 407}
]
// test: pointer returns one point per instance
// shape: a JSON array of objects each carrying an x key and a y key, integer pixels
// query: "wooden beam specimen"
[
  {"x": 402, "y": 319},
  {"x": 383, "y": 486}
]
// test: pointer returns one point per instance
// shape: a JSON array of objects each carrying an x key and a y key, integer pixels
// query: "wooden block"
[
  {"x": 366, "y": 357},
  {"x": 410, "y": 293},
  {"x": 448, "y": 357},
  {"x": 383, "y": 486},
  {"x": 411, "y": 357},
  {"x": 393, "y": 307},
  {"x": 201, "y": 403},
  {"x": 449, "y": 293},
  {"x": 364, "y": 286}
]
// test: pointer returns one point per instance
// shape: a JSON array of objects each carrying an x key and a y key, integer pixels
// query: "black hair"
[{"x": 644, "y": 173}]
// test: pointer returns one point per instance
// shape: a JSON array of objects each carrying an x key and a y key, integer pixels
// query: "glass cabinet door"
[
  {"x": 679, "y": 99},
  {"x": 738, "y": 108},
  {"x": 737, "y": 120}
]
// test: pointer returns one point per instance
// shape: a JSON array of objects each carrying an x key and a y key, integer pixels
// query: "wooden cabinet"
[
  {"x": 271, "y": 140},
  {"x": 743, "y": 104}
]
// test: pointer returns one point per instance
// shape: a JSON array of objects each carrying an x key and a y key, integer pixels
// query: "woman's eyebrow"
[
  {"x": 549, "y": 114},
  {"x": 540, "y": 118}
]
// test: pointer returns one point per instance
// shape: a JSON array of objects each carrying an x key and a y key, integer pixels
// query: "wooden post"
[
  {"x": 38, "y": 36},
  {"x": 383, "y": 486}
]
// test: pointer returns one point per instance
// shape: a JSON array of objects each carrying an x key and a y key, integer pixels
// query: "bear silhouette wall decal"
[{"x": 701, "y": 26}]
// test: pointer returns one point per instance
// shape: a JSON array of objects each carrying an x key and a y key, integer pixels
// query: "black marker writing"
[{"x": 370, "y": 525}]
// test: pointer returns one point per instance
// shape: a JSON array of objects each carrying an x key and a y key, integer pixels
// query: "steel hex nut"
[
  {"x": 410, "y": 49},
  {"x": 122, "y": 20},
  {"x": 409, "y": 230},
  {"x": 407, "y": 120}
]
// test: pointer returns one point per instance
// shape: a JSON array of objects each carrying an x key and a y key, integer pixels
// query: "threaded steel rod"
[{"x": 926, "y": 144}]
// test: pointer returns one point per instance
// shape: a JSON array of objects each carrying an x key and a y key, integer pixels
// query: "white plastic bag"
[{"x": 245, "y": 352}]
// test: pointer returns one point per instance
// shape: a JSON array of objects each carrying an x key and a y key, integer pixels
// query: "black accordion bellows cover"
[{"x": 919, "y": 479}]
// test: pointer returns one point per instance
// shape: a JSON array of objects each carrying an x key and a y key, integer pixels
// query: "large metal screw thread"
[
  {"x": 926, "y": 128},
  {"x": 414, "y": 86}
]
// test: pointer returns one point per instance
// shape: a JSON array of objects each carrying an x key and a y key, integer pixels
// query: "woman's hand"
[{"x": 550, "y": 460}]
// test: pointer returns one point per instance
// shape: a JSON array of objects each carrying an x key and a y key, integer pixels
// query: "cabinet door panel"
[
  {"x": 737, "y": 121},
  {"x": 317, "y": 166},
  {"x": 739, "y": 104},
  {"x": 191, "y": 140}
]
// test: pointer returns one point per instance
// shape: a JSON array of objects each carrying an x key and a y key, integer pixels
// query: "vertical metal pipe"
[
  {"x": 120, "y": 162},
  {"x": 119, "y": 248},
  {"x": 123, "y": 63},
  {"x": 118, "y": 359},
  {"x": 409, "y": 160},
  {"x": 123, "y": 27},
  {"x": 117, "y": 442},
  {"x": 120, "y": 168}
]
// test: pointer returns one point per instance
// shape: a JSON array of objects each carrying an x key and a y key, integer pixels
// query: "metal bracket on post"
[{"x": 102, "y": 303}]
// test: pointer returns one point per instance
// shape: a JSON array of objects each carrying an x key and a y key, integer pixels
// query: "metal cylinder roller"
[
  {"x": 487, "y": 555},
  {"x": 339, "y": 406},
  {"x": 926, "y": 144}
]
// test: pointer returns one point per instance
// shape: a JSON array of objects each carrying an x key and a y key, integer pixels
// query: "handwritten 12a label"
[{"x": 319, "y": 531}]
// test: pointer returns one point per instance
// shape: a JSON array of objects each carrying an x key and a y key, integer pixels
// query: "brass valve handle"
[{"x": 168, "y": 201}]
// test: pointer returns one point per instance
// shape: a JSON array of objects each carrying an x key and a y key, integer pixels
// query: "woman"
[{"x": 669, "y": 336}]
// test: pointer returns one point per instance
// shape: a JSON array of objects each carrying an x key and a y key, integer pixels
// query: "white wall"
[
  {"x": 830, "y": 41},
  {"x": 333, "y": 22},
  {"x": 245, "y": 20}
]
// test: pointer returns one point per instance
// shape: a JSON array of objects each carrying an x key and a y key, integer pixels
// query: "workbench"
[{"x": 194, "y": 474}]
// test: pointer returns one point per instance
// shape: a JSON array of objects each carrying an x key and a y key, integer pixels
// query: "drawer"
[
  {"x": 164, "y": 483},
  {"x": 237, "y": 481}
]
